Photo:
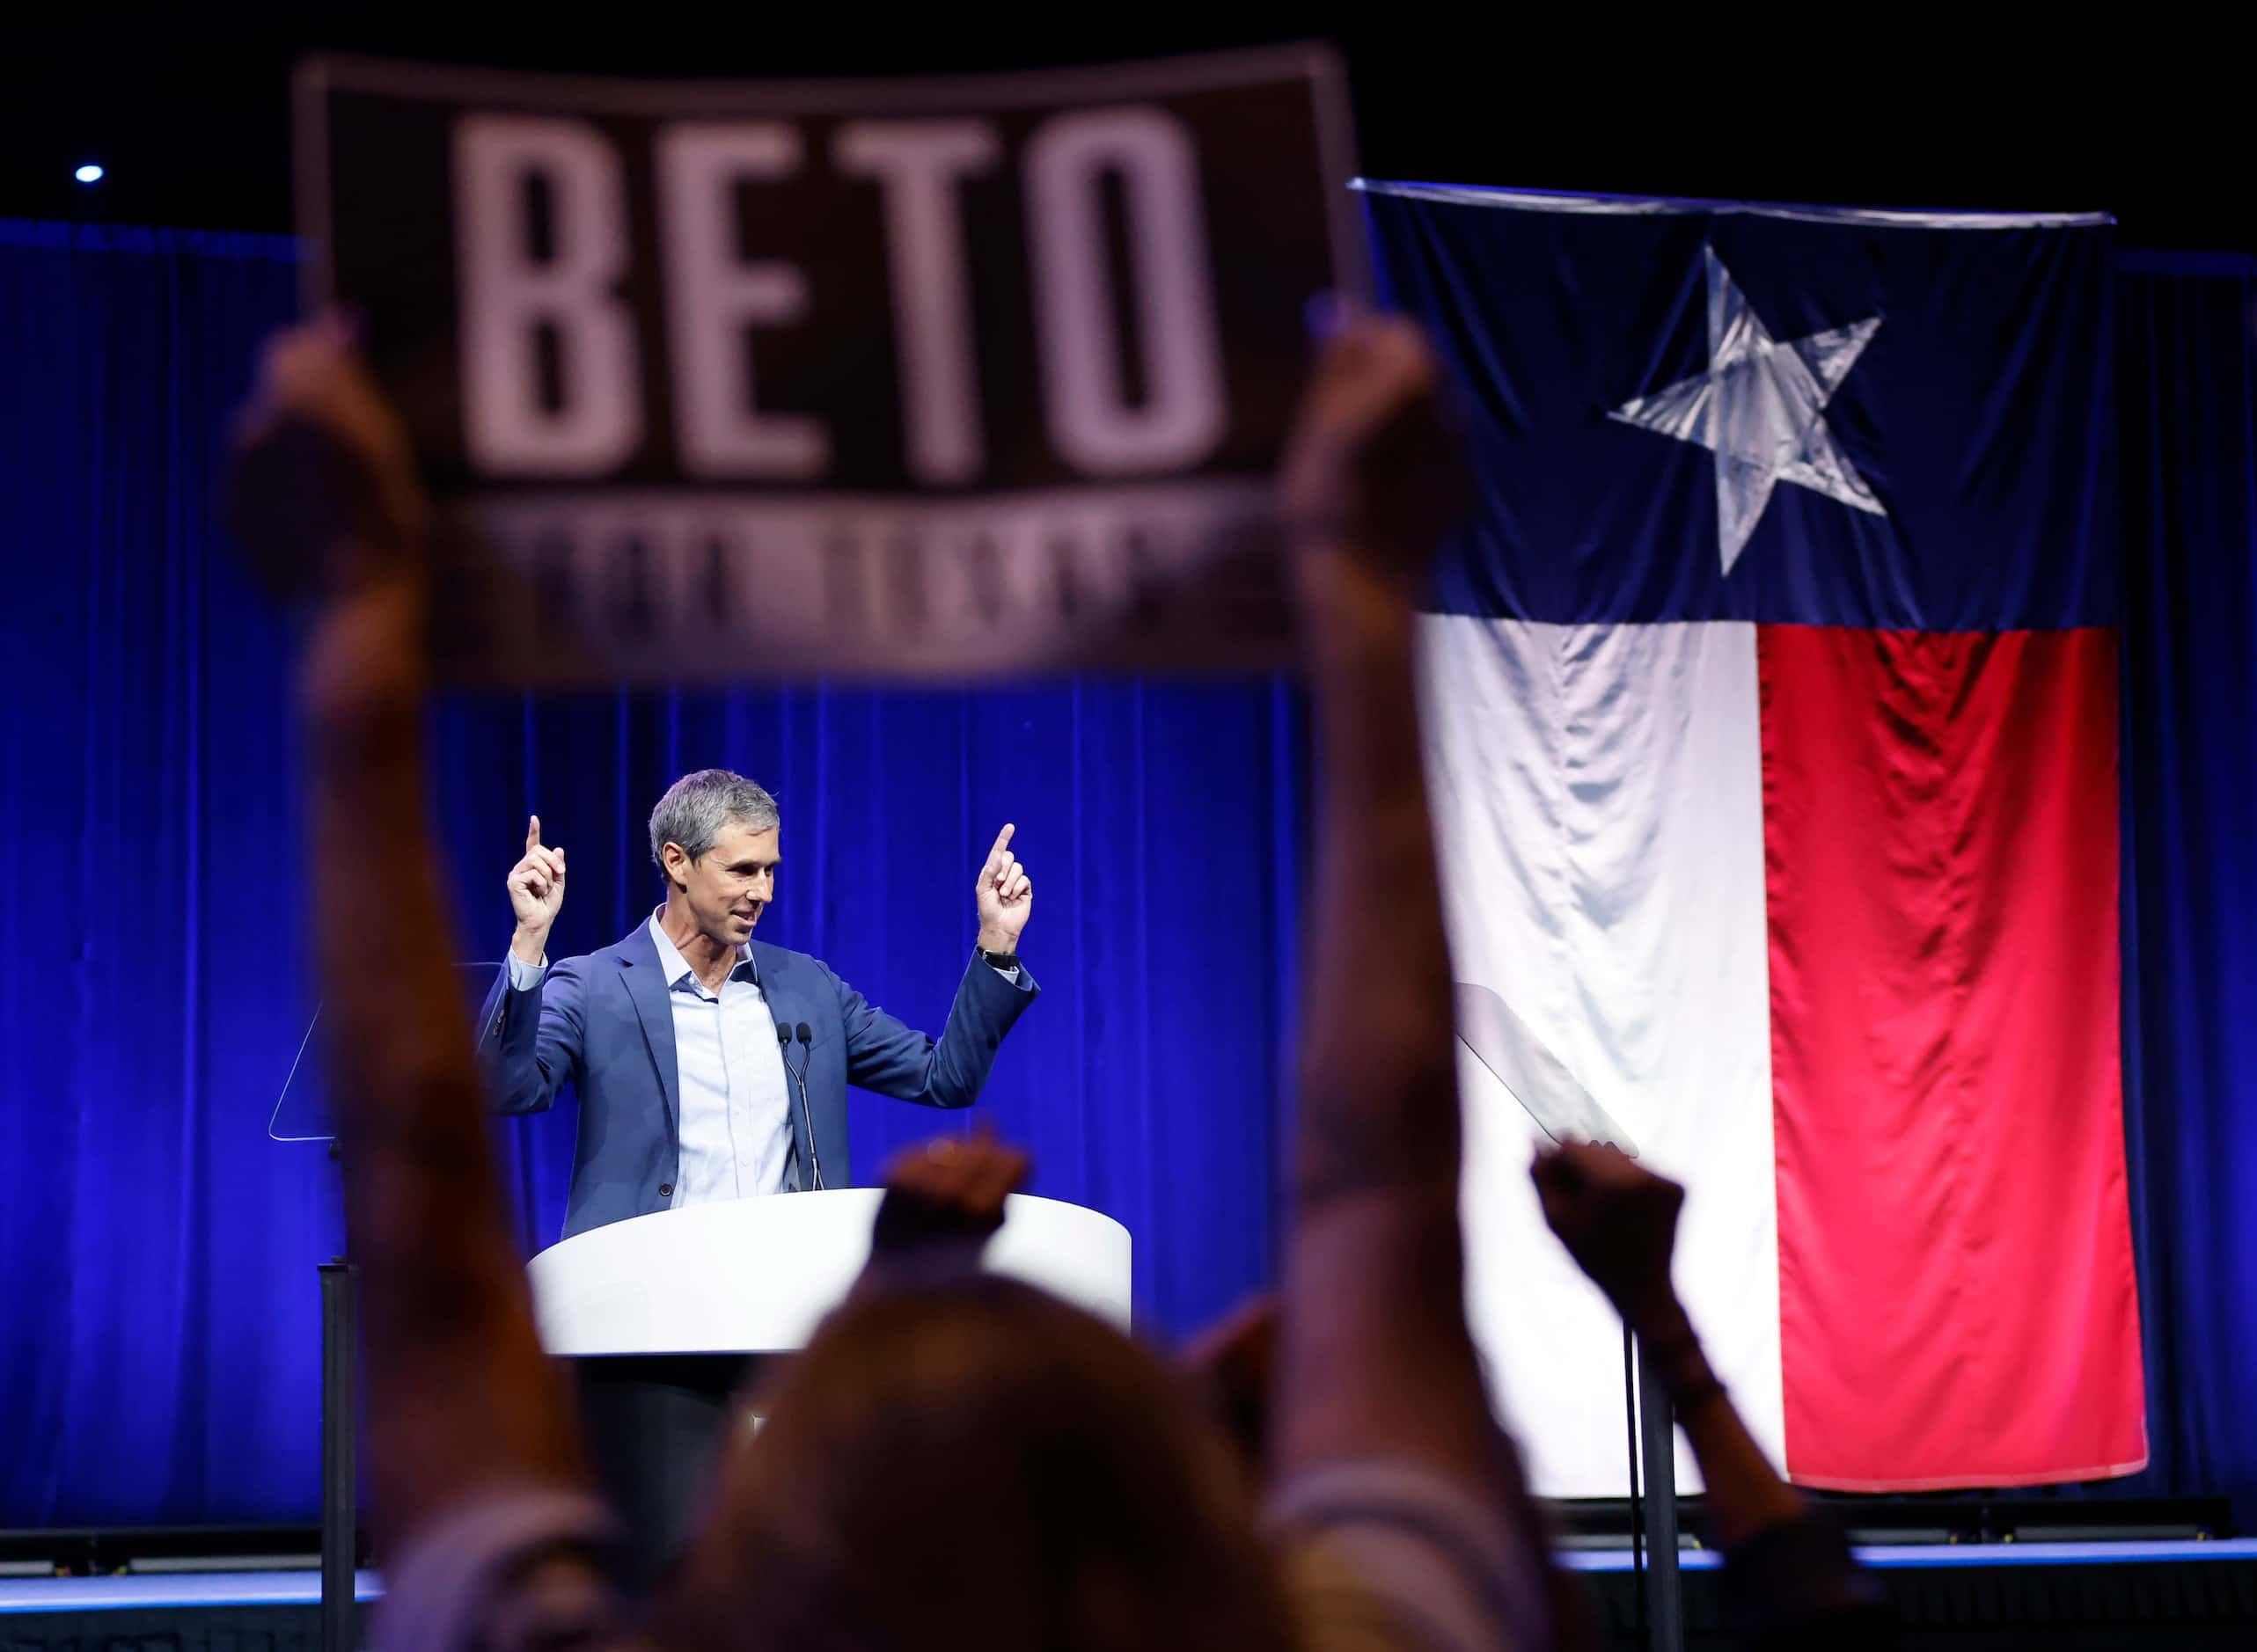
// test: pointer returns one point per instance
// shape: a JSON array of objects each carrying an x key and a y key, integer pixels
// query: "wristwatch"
[{"x": 1007, "y": 962}]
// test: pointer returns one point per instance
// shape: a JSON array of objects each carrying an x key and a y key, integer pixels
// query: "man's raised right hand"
[{"x": 536, "y": 893}]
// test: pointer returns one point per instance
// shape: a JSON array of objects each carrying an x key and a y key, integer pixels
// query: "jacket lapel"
[
  {"x": 778, "y": 983},
  {"x": 646, "y": 989}
]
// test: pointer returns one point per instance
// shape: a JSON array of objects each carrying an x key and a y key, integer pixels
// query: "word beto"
[{"x": 517, "y": 301}]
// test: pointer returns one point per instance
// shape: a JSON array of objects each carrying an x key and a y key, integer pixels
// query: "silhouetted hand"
[
  {"x": 1619, "y": 1221},
  {"x": 1230, "y": 1364},
  {"x": 1372, "y": 466},
  {"x": 947, "y": 1195},
  {"x": 322, "y": 491}
]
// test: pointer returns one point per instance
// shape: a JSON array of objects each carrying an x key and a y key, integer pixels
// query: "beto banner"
[{"x": 935, "y": 377}]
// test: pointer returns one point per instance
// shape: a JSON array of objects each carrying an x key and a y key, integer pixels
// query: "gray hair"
[{"x": 697, "y": 806}]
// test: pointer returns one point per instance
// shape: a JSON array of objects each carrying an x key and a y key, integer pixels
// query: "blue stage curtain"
[
  {"x": 2188, "y": 387},
  {"x": 161, "y": 1358},
  {"x": 160, "y": 1355}
]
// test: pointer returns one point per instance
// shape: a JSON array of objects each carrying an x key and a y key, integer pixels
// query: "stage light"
[{"x": 90, "y": 173}]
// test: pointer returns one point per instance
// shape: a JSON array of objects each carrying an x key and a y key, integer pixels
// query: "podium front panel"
[{"x": 756, "y": 1275}]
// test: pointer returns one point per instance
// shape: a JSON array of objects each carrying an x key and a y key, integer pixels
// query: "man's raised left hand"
[{"x": 1004, "y": 894}]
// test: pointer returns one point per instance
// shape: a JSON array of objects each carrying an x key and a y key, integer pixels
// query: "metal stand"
[
  {"x": 302, "y": 1116},
  {"x": 339, "y": 1478},
  {"x": 1665, "y": 1603}
]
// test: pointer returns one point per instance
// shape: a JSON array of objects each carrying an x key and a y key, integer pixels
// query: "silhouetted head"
[{"x": 976, "y": 1467}]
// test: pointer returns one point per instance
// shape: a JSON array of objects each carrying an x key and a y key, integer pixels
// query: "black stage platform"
[{"x": 1970, "y": 1597}]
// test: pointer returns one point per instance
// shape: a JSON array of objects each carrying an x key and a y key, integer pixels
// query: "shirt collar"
[{"x": 677, "y": 968}]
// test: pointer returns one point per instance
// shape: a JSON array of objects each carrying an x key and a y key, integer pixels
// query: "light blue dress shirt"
[{"x": 737, "y": 1125}]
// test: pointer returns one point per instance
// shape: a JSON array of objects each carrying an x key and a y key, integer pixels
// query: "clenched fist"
[
  {"x": 536, "y": 893},
  {"x": 950, "y": 1189},
  {"x": 1619, "y": 1221}
]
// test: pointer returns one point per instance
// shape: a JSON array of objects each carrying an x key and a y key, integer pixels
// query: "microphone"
[{"x": 806, "y": 1036}]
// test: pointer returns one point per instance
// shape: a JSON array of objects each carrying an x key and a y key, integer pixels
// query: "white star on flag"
[{"x": 1759, "y": 408}]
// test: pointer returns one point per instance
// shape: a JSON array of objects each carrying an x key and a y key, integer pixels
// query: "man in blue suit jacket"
[{"x": 670, "y": 1037}]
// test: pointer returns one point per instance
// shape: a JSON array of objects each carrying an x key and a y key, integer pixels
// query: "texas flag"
[{"x": 1771, "y": 722}]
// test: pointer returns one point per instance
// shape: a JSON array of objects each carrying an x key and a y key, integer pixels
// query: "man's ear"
[{"x": 671, "y": 859}]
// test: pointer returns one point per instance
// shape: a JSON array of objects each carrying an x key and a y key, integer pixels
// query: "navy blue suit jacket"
[{"x": 604, "y": 1024}]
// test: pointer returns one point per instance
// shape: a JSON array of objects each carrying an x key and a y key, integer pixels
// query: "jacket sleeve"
[
  {"x": 529, "y": 1042},
  {"x": 894, "y": 1059}
]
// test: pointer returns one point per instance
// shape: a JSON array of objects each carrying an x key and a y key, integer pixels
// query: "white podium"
[{"x": 756, "y": 1276}]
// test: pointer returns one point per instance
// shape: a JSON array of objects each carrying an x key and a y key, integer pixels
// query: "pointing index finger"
[
  {"x": 996, "y": 854},
  {"x": 533, "y": 831}
]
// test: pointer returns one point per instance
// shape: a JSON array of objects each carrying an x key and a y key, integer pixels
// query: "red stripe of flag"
[{"x": 1956, "y": 1294}]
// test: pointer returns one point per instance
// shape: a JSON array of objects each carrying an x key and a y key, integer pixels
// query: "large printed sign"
[{"x": 915, "y": 378}]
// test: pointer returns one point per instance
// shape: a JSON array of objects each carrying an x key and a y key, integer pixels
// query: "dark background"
[{"x": 2141, "y": 112}]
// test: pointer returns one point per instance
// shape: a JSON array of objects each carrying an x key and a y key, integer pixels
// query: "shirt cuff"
[
  {"x": 524, "y": 976},
  {"x": 1010, "y": 975}
]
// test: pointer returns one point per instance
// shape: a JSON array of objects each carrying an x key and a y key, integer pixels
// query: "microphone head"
[
  {"x": 803, "y": 1032},
  {"x": 783, "y": 1032}
]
